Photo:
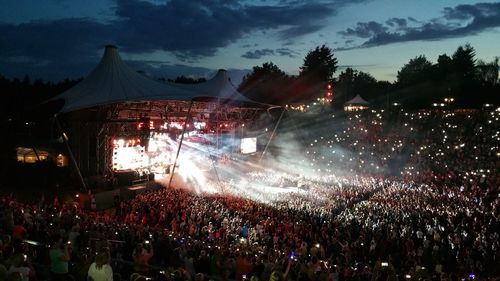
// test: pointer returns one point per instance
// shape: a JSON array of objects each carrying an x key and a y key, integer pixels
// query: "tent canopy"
[
  {"x": 219, "y": 87},
  {"x": 357, "y": 100},
  {"x": 112, "y": 81}
]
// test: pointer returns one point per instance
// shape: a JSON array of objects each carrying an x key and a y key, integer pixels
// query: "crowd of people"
[{"x": 398, "y": 196}]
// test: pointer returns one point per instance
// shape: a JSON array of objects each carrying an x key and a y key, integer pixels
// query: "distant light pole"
[{"x": 448, "y": 101}]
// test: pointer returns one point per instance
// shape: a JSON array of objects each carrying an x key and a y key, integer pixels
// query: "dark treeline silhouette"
[
  {"x": 25, "y": 113},
  {"x": 419, "y": 84},
  {"x": 470, "y": 82},
  {"x": 22, "y": 97},
  {"x": 351, "y": 82},
  {"x": 186, "y": 80},
  {"x": 266, "y": 83},
  {"x": 269, "y": 84}
]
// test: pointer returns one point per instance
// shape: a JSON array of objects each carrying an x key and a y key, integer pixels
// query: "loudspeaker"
[{"x": 125, "y": 177}]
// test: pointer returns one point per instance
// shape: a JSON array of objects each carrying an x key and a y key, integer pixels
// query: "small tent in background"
[
  {"x": 355, "y": 104},
  {"x": 31, "y": 155}
]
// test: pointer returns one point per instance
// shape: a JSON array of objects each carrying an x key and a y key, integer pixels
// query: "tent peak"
[
  {"x": 111, "y": 53},
  {"x": 222, "y": 74},
  {"x": 357, "y": 100},
  {"x": 112, "y": 81}
]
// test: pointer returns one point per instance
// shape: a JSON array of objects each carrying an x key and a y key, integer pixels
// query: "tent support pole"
[
  {"x": 70, "y": 152},
  {"x": 36, "y": 153},
  {"x": 88, "y": 149},
  {"x": 272, "y": 134},
  {"x": 33, "y": 146},
  {"x": 180, "y": 144},
  {"x": 217, "y": 131}
]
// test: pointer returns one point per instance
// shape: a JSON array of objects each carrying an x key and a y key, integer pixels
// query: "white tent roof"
[
  {"x": 219, "y": 87},
  {"x": 357, "y": 100},
  {"x": 112, "y": 81}
]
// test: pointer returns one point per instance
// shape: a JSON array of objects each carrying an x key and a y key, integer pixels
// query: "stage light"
[{"x": 121, "y": 142}]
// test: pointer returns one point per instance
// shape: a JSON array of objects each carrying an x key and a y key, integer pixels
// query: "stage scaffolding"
[{"x": 90, "y": 131}]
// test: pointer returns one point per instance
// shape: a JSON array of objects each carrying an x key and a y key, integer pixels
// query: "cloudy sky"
[{"x": 54, "y": 39}]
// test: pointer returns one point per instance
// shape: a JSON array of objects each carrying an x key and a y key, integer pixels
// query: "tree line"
[
  {"x": 419, "y": 84},
  {"x": 21, "y": 97},
  {"x": 469, "y": 81}
]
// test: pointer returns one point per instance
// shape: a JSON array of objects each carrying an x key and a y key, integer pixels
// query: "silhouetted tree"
[
  {"x": 188, "y": 80},
  {"x": 464, "y": 62},
  {"x": 445, "y": 63},
  {"x": 353, "y": 82},
  {"x": 443, "y": 70},
  {"x": 419, "y": 82},
  {"x": 268, "y": 70},
  {"x": 363, "y": 83},
  {"x": 487, "y": 83},
  {"x": 344, "y": 87},
  {"x": 266, "y": 83},
  {"x": 318, "y": 68},
  {"x": 415, "y": 71},
  {"x": 487, "y": 72},
  {"x": 465, "y": 73},
  {"x": 319, "y": 64}
]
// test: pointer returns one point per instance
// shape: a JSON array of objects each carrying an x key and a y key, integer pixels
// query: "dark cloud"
[
  {"x": 158, "y": 69},
  {"x": 46, "y": 70},
  {"x": 62, "y": 39},
  {"x": 257, "y": 54},
  {"x": 297, "y": 31},
  {"x": 458, "y": 21},
  {"x": 192, "y": 28},
  {"x": 249, "y": 45},
  {"x": 364, "y": 30},
  {"x": 396, "y": 22},
  {"x": 464, "y": 12},
  {"x": 286, "y": 52},
  {"x": 188, "y": 29},
  {"x": 52, "y": 49}
]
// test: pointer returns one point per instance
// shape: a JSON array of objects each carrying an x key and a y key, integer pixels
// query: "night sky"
[{"x": 55, "y": 39}]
